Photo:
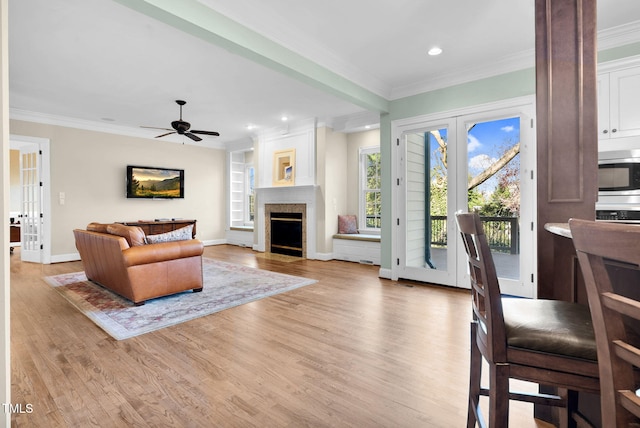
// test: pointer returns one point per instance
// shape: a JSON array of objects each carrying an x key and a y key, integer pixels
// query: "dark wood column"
[
  {"x": 567, "y": 147},
  {"x": 567, "y": 139}
]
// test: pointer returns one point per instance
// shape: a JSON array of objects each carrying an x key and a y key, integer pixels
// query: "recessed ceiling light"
[
  {"x": 251, "y": 127},
  {"x": 285, "y": 118},
  {"x": 435, "y": 51}
]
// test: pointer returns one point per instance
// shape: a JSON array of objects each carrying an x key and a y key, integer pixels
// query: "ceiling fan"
[{"x": 183, "y": 128}]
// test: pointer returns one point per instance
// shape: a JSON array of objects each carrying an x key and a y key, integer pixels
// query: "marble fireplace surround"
[{"x": 293, "y": 199}]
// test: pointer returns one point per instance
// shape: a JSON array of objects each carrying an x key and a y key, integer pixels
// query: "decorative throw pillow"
[
  {"x": 182, "y": 234},
  {"x": 133, "y": 234},
  {"x": 347, "y": 224}
]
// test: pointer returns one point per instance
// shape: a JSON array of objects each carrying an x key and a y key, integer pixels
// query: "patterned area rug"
[{"x": 225, "y": 285}]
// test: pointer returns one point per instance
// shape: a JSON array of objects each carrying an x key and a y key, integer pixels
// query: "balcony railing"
[{"x": 503, "y": 233}]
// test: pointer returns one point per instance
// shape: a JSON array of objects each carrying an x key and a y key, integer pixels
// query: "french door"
[
  {"x": 478, "y": 161},
  {"x": 32, "y": 196},
  {"x": 31, "y": 220},
  {"x": 425, "y": 253}
]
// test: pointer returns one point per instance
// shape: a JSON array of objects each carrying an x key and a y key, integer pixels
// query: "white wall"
[
  {"x": 5, "y": 301},
  {"x": 332, "y": 179},
  {"x": 89, "y": 167},
  {"x": 355, "y": 142}
]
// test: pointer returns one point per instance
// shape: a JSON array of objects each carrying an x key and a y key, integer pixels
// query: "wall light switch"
[{"x": 61, "y": 197}]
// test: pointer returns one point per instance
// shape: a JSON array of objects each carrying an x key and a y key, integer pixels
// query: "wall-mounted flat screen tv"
[{"x": 154, "y": 183}]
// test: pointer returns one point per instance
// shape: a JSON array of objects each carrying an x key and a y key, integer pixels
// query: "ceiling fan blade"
[
  {"x": 164, "y": 135},
  {"x": 182, "y": 128},
  {"x": 214, "y": 133},
  {"x": 154, "y": 127},
  {"x": 193, "y": 137}
]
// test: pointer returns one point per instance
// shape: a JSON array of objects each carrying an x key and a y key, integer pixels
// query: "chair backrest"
[
  {"x": 485, "y": 290},
  {"x": 609, "y": 256}
]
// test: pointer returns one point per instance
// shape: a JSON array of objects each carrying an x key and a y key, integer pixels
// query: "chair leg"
[
  {"x": 498, "y": 395},
  {"x": 475, "y": 373},
  {"x": 566, "y": 413}
]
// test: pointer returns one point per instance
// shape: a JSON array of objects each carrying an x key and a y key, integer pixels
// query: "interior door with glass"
[
  {"x": 31, "y": 221},
  {"x": 425, "y": 224}
]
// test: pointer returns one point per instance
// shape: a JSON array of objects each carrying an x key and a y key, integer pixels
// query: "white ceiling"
[{"x": 101, "y": 64}]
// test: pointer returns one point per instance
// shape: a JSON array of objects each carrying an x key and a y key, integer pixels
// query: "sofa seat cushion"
[
  {"x": 164, "y": 251},
  {"x": 133, "y": 234},
  {"x": 182, "y": 234}
]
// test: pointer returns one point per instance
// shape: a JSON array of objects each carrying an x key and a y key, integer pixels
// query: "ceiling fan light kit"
[{"x": 181, "y": 127}]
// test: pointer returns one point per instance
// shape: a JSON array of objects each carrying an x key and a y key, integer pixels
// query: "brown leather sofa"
[{"x": 118, "y": 258}]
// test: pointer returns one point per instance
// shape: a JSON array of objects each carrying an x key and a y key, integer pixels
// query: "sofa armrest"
[{"x": 153, "y": 253}]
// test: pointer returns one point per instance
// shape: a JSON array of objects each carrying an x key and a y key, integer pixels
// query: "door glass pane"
[
  {"x": 30, "y": 212},
  {"x": 372, "y": 196},
  {"x": 426, "y": 187},
  {"x": 493, "y": 150}
]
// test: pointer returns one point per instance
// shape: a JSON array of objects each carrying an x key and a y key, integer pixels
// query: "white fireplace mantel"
[{"x": 287, "y": 195}]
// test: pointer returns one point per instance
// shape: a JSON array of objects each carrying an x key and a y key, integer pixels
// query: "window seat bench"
[
  {"x": 357, "y": 247},
  {"x": 241, "y": 236}
]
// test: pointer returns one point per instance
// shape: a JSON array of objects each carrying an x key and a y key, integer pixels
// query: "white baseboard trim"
[
  {"x": 385, "y": 273},
  {"x": 63, "y": 258},
  {"x": 211, "y": 242},
  {"x": 325, "y": 257}
]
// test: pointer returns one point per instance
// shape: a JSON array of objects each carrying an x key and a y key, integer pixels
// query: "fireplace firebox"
[{"x": 286, "y": 233}]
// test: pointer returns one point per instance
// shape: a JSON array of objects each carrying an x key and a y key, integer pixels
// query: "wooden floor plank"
[{"x": 351, "y": 350}]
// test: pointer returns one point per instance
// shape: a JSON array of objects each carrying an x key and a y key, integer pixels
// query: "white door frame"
[
  {"x": 16, "y": 141},
  {"x": 400, "y": 126},
  {"x": 401, "y": 225}
]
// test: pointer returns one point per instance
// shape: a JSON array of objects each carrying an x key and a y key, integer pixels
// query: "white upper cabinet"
[{"x": 619, "y": 103}]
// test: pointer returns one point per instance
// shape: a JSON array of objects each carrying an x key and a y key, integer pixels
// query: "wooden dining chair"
[
  {"x": 548, "y": 342},
  {"x": 609, "y": 256}
]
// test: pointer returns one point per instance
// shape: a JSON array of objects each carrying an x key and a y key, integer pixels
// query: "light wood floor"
[{"x": 351, "y": 350}]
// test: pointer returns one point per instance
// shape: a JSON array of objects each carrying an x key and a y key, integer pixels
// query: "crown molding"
[
  {"x": 88, "y": 125},
  {"x": 607, "y": 39},
  {"x": 619, "y": 36},
  {"x": 518, "y": 61}
]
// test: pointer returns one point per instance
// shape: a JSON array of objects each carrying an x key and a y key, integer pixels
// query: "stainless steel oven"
[
  {"x": 619, "y": 172},
  {"x": 619, "y": 186},
  {"x": 622, "y": 214}
]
